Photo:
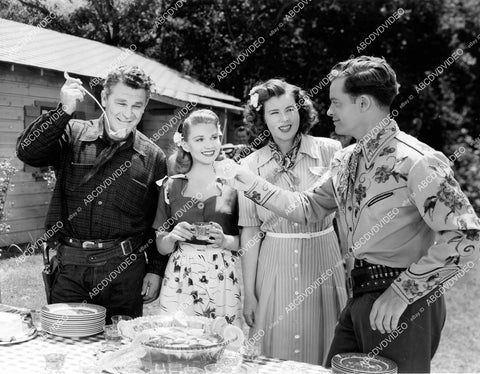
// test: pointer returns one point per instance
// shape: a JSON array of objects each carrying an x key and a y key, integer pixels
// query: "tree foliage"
[{"x": 201, "y": 38}]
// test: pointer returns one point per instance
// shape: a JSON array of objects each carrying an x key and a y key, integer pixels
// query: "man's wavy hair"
[
  {"x": 255, "y": 120},
  {"x": 131, "y": 76},
  {"x": 368, "y": 75}
]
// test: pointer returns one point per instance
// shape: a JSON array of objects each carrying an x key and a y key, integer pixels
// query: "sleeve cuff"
[
  {"x": 260, "y": 192},
  {"x": 63, "y": 118},
  {"x": 411, "y": 287}
]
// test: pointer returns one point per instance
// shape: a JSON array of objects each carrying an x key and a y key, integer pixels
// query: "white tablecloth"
[{"x": 28, "y": 357}]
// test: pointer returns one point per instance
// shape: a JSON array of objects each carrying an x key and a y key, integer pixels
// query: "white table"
[{"x": 28, "y": 357}]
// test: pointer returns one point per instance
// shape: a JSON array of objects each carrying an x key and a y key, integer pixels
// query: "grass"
[{"x": 22, "y": 285}]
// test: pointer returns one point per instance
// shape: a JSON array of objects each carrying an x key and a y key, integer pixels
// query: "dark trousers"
[
  {"x": 115, "y": 284},
  {"x": 411, "y": 348}
]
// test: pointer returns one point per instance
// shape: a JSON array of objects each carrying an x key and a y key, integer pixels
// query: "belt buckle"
[
  {"x": 88, "y": 244},
  {"x": 126, "y": 245}
]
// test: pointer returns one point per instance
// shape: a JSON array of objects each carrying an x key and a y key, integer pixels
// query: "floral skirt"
[{"x": 200, "y": 280}]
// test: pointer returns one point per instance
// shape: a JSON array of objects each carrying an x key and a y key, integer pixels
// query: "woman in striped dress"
[{"x": 293, "y": 274}]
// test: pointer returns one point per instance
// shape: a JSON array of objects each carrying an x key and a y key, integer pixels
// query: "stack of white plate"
[
  {"x": 360, "y": 363},
  {"x": 73, "y": 319}
]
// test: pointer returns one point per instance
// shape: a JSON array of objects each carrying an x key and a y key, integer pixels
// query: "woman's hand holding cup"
[
  {"x": 181, "y": 232},
  {"x": 216, "y": 235}
]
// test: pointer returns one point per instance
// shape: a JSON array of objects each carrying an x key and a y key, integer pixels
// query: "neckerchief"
[
  {"x": 286, "y": 162},
  {"x": 106, "y": 154}
]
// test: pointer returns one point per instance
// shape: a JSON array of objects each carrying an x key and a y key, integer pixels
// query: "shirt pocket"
[
  {"x": 75, "y": 175},
  {"x": 130, "y": 196},
  {"x": 383, "y": 204},
  {"x": 378, "y": 198}
]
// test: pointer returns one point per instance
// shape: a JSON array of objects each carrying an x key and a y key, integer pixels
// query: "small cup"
[
  {"x": 54, "y": 361},
  {"x": 120, "y": 317},
  {"x": 231, "y": 359},
  {"x": 251, "y": 350},
  {"x": 225, "y": 169},
  {"x": 110, "y": 332},
  {"x": 201, "y": 230}
]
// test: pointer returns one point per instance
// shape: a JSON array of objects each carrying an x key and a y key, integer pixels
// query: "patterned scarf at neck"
[
  {"x": 286, "y": 162},
  {"x": 106, "y": 154}
]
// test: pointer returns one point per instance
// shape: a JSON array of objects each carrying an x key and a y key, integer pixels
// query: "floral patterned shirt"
[{"x": 406, "y": 210}]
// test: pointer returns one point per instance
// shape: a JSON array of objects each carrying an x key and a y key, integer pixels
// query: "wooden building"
[{"x": 32, "y": 62}]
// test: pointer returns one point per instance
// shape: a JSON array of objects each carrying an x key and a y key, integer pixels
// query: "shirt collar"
[
  {"x": 96, "y": 129},
  {"x": 373, "y": 142},
  {"x": 307, "y": 147}
]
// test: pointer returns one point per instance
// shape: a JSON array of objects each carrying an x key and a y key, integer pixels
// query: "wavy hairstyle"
[
  {"x": 131, "y": 76},
  {"x": 368, "y": 75},
  {"x": 255, "y": 119},
  {"x": 181, "y": 161}
]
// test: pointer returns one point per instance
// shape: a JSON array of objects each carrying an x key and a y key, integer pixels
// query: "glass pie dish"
[{"x": 190, "y": 340}]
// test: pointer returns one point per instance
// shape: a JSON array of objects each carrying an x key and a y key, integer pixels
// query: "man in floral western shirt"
[{"x": 402, "y": 215}]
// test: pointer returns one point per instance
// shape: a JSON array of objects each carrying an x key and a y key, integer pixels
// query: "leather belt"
[
  {"x": 366, "y": 277},
  {"x": 123, "y": 246}
]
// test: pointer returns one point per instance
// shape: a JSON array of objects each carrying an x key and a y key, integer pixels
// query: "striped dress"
[{"x": 300, "y": 282}]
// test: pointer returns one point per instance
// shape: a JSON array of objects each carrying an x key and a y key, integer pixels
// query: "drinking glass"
[
  {"x": 225, "y": 169},
  {"x": 54, "y": 362},
  {"x": 120, "y": 317},
  {"x": 251, "y": 350},
  {"x": 112, "y": 337}
]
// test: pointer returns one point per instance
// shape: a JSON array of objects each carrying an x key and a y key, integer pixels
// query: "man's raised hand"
[{"x": 71, "y": 94}]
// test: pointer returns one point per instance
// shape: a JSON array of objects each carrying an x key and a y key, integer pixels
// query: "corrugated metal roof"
[{"x": 48, "y": 49}]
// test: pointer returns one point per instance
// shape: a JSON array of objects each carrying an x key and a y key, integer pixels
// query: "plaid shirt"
[{"x": 119, "y": 201}]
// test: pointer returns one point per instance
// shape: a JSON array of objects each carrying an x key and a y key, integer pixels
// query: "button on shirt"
[
  {"x": 118, "y": 201},
  {"x": 407, "y": 210},
  {"x": 311, "y": 163}
]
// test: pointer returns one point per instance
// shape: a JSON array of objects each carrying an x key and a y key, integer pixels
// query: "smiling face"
[
  {"x": 124, "y": 107},
  {"x": 282, "y": 117},
  {"x": 346, "y": 113},
  {"x": 203, "y": 143}
]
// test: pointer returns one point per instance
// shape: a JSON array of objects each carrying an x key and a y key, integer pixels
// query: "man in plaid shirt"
[{"x": 105, "y": 197}]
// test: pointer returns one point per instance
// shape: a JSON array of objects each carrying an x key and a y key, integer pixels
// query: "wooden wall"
[
  {"x": 157, "y": 115},
  {"x": 23, "y": 91}
]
